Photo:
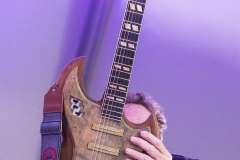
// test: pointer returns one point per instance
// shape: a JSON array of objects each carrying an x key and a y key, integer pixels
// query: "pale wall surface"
[{"x": 188, "y": 59}]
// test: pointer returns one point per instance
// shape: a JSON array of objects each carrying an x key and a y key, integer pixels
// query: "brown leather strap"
[{"x": 53, "y": 100}]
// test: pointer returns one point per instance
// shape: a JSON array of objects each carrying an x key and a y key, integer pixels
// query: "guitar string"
[
  {"x": 107, "y": 121},
  {"x": 119, "y": 59},
  {"x": 126, "y": 37},
  {"x": 103, "y": 103},
  {"x": 129, "y": 37}
]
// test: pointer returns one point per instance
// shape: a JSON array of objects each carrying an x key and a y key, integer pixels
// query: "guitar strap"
[{"x": 51, "y": 127}]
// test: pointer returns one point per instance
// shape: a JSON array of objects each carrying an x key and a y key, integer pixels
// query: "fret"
[
  {"x": 113, "y": 103},
  {"x": 116, "y": 118},
  {"x": 129, "y": 35},
  {"x": 118, "y": 88},
  {"x": 111, "y": 111},
  {"x": 120, "y": 74},
  {"x": 135, "y": 12},
  {"x": 125, "y": 48},
  {"x": 125, "y": 52},
  {"x": 128, "y": 32},
  {"x": 123, "y": 68},
  {"x": 133, "y": 17},
  {"x": 132, "y": 22},
  {"x": 124, "y": 56},
  {"x": 121, "y": 71},
  {"x": 123, "y": 60},
  {"x": 113, "y": 108},
  {"x": 116, "y": 98},
  {"x": 128, "y": 41},
  {"x": 122, "y": 65},
  {"x": 118, "y": 80},
  {"x": 110, "y": 106},
  {"x": 114, "y": 92},
  {"x": 139, "y": 1},
  {"x": 112, "y": 86}
]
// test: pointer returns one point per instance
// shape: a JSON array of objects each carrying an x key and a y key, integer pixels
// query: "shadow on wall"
[
  {"x": 74, "y": 29},
  {"x": 88, "y": 21}
]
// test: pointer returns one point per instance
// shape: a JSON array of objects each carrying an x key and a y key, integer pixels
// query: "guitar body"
[{"x": 86, "y": 134}]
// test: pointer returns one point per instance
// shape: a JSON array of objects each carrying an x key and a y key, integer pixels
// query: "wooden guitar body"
[
  {"x": 86, "y": 133},
  {"x": 98, "y": 129}
]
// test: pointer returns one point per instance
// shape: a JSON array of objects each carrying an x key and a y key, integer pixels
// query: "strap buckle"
[{"x": 51, "y": 129}]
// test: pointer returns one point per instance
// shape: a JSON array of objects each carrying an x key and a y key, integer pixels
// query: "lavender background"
[{"x": 188, "y": 59}]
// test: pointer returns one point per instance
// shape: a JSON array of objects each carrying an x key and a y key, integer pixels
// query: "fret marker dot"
[
  {"x": 135, "y": 28},
  {"x": 132, "y": 6},
  {"x": 139, "y": 8}
]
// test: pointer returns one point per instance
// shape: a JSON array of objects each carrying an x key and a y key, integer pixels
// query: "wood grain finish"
[
  {"x": 79, "y": 139},
  {"x": 78, "y": 130}
]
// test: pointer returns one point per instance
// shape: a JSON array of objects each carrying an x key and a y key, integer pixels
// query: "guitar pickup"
[
  {"x": 103, "y": 149},
  {"x": 107, "y": 129}
]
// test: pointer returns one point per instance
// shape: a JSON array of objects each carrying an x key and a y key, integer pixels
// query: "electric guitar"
[{"x": 98, "y": 129}]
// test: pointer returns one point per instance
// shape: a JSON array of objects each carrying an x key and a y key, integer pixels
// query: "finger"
[
  {"x": 149, "y": 148},
  {"x": 156, "y": 142},
  {"x": 137, "y": 155}
]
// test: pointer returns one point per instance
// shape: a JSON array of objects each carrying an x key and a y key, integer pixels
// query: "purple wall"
[{"x": 188, "y": 59}]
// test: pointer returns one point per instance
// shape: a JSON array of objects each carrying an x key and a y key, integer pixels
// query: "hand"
[{"x": 152, "y": 145}]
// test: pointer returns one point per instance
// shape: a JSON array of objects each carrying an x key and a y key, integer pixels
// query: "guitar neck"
[{"x": 116, "y": 91}]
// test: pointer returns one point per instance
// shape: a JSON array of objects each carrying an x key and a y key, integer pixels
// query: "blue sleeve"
[{"x": 179, "y": 157}]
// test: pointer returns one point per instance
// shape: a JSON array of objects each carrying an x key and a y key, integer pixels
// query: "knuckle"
[
  {"x": 151, "y": 149},
  {"x": 159, "y": 143}
]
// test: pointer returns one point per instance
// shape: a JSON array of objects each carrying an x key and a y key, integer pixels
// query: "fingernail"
[
  {"x": 127, "y": 150},
  {"x": 143, "y": 133},
  {"x": 133, "y": 139}
]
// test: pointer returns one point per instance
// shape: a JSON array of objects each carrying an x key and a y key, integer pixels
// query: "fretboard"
[{"x": 116, "y": 91}]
